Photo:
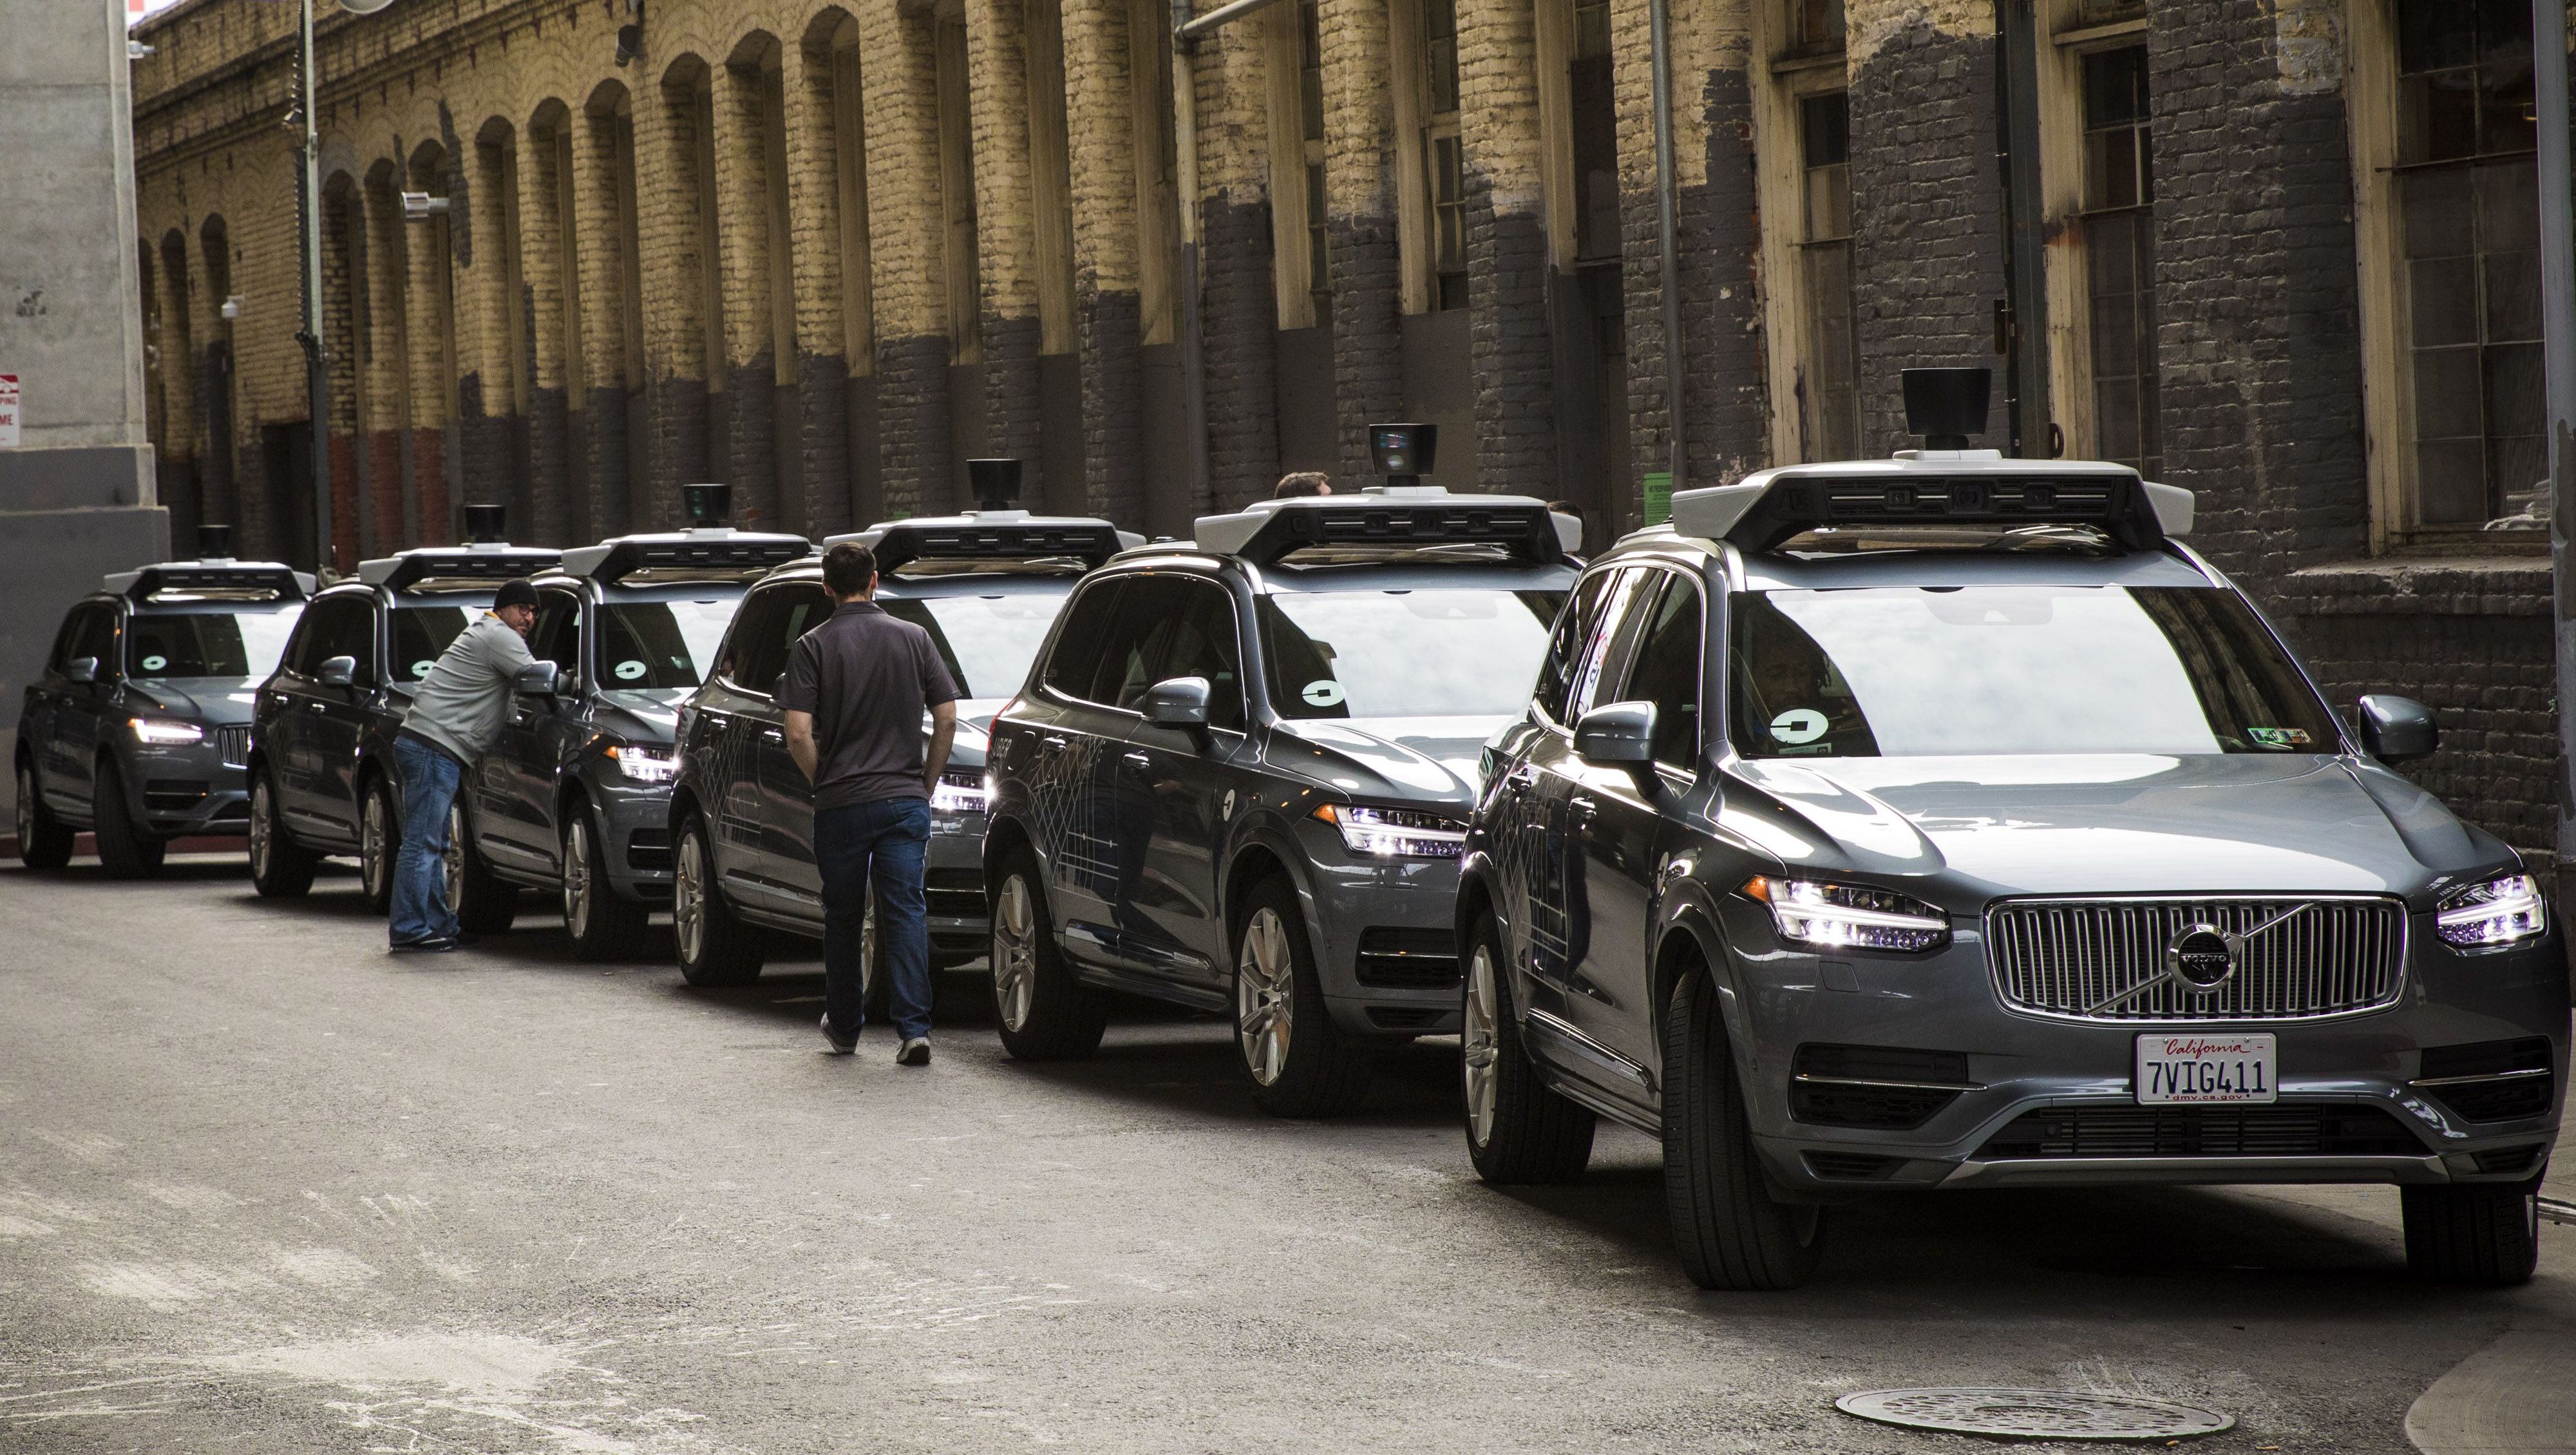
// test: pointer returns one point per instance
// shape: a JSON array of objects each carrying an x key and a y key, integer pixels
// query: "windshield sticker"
[
  {"x": 2279, "y": 737},
  {"x": 421, "y": 667},
  {"x": 1322, "y": 692},
  {"x": 628, "y": 671},
  {"x": 1798, "y": 725},
  {"x": 155, "y": 664}
]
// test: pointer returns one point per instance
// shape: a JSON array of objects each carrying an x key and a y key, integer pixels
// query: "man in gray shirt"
[
  {"x": 455, "y": 714},
  {"x": 855, "y": 691}
]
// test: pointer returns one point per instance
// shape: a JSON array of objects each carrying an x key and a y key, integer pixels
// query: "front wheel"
[
  {"x": 44, "y": 841},
  {"x": 602, "y": 925},
  {"x": 1044, "y": 1013},
  {"x": 279, "y": 867},
  {"x": 716, "y": 948},
  {"x": 379, "y": 843},
  {"x": 1300, "y": 1063},
  {"x": 1730, "y": 1231},
  {"x": 1519, "y": 1129},
  {"x": 126, "y": 850},
  {"x": 2483, "y": 1234},
  {"x": 482, "y": 904}
]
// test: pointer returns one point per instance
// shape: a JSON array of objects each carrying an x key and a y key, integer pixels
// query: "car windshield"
[
  {"x": 1942, "y": 670},
  {"x": 1451, "y": 652},
  {"x": 661, "y": 643},
  {"x": 207, "y": 644},
  {"x": 987, "y": 641},
  {"x": 420, "y": 634}
]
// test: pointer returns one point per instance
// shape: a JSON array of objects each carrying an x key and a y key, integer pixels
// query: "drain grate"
[{"x": 2034, "y": 1414}]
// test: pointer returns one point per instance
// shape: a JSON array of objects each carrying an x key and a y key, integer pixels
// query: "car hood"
[
  {"x": 642, "y": 714},
  {"x": 1429, "y": 760},
  {"x": 2111, "y": 824},
  {"x": 214, "y": 701}
]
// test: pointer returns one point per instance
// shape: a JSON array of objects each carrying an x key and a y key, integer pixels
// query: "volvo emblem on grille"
[{"x": 2202, "y": 956}]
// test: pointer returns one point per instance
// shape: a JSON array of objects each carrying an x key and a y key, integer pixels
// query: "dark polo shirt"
[{"x": 867, "y": 678}]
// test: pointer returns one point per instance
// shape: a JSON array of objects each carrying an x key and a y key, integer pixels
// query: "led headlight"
[
  {"x": 960, "y": 792},
  {"x": 1848, "y": 916},
  {"x": 1395, "y": 833},
  {"x": 2498, "y": 912},
  {"x": 166, "y": 734},
  {"x": 645, "y": 765}
]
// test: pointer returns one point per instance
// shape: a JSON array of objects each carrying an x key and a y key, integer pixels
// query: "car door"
[
  {"x": 721, "y": 722},
  {"x": 335, "y": 721},
  {"x": 81, "y": 711},
  {"x": 1071, "y": 768},
  {"x": 1187, "y": 775},
  {"x": 785, "y": 801},
  {"x": 1528, "y": 859},
  {"x": 515, "y": 781},
  {"x": 44, "y": 697},
  {"x": 1625, "y": 817}
]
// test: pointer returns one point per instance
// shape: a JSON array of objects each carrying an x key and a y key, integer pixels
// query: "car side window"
[
  {"x": 1130, "y": 651},
  {"x": 1078, "y": 638},
  {"x": 1575, "y": 627},
  {"x": 1201, "y": 640},
  {"x": 97, "y": 636},
  {"x": 748, "y": 626},
  {"x": 557, "y": 637},
  {"x": 63, "y": 639},
  {"x": 1608, "y": 649},
  {"x": 341, "y": 628},
  {"x": 1665, "y": 668},
  {"x": 793, "y": 611}
]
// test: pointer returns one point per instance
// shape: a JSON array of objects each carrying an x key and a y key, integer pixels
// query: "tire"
[
  {"x": 716, "y": 948},
  {"x": 126, "y": 849},
  {"x": 1043, "y": 1012},
  {"x": 603, "y": 925},
  {"x": 2481, "y": 1234},
  {"x": 1729, "y": 1230},
  {"x": 280, "y": 868},
  {"x": 379, "y": 844},
  {"x": 44, "y": 841},
  {"x": 1519, "y": 1130},
  {"x": 1300, "y": 1063},
  {"x": 482, "y": 904}
]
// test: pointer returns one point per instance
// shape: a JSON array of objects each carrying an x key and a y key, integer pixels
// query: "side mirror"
[
  {"x": 1617, "y": 732},
  {"x": 337, "y": 671},
  {"x": 2397, "y": 729},
  {"x": 538, "y": 677},
  {"x": 1180, "y": 702},
  {"x": 81, "y": 669}
]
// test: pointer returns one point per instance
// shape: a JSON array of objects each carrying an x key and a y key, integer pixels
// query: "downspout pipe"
[
  {"x": 1185, "y": 126},
  {"x": 317, "y": 374},
  {"x": 1667, "y": 240},
  {"x": 2558, "y": 330}
]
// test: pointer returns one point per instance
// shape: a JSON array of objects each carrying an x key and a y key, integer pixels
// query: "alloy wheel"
[
  {"x": 689, "y": 898},
  {"x": 263, "y": 828},
  {"x": 576, "y": 877},
  {"x": 26, "y": 808},
  {"x": 1479, "y": 1044},
  {"x": 452, "y": 863},
  {"x": 1015, "y": 954},
  {"x": 375, "y": 860},
  {"x": 1264, "y": 983}
]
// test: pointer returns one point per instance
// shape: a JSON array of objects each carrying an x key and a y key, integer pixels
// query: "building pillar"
[
  {"x": 1507, "y": 254},
  {"x": 383, "y": 353},
  {"x": 666, "y": 217},
  {"x": 1360, "y": 227},
  {"x": 822, "y": 310},
  {"x": 425, "y": 369},
  {"x": 1239, "y": 313},
  {"x": 744, "y": 243},
  {"x": 343, "y": 222},
  {"x": 601, "y": 263},
  {"x": 899, "y": 75},
  {"x": 1099, "y": 122},
  {"x": 541, "y": 248},
  {"x": 1006, "y": 232}
]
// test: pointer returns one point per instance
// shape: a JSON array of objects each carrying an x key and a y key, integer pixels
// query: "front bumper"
[
  {"x": 961, "y": 926},
  {"x": 636, "y": 818},
  {"x": 1385, "y": 937},
  {"x": 2049, "y": 1102},
  {"x": 188, "y": 790}
]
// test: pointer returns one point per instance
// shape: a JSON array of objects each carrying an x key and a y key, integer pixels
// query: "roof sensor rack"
[
  {"x": 221, "y": 575},
  {"x": 485, "y": 558},
  {"x": 1407, "y": 517},
  {"x": 708, "y": 552},
  {"x": 990, "y": 535}
]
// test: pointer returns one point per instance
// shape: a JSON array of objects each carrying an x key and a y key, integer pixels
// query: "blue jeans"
[
  {"x": 429, "y": 780},
  {"x": 886, "y": 842}
]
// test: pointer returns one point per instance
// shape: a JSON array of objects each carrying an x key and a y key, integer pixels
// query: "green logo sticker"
[{"x": 2278, "y": 737}]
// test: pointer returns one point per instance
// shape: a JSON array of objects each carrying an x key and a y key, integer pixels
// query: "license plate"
[{"x": 2176, "y": 1070}]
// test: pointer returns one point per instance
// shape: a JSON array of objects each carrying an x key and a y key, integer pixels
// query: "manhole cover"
[{"x": 2033, "y": 1414}]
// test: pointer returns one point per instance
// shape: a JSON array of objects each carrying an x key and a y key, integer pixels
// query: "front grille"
[
  {"x": 1882, "y": 1087},
  {"x": 171, "y": 795},
  {"x": 1404, "y": 959},
  {"x": 2072, "y": 958},
  {"x": 234, "y": 744},
  {"x": 2489, "y": 1081},
  {"x": 648, "y": 851},
  {"x": 2290, "y": 1129},
  {"x": 1852, "y": 1166},
  {"x": 955, "y": 893}
]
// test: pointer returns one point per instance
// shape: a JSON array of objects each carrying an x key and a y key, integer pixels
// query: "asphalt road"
[{"x": 264, "y": 1188}]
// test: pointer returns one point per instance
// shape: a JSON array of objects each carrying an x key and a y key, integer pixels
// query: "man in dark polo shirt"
[{"x": 855, "y": 691}]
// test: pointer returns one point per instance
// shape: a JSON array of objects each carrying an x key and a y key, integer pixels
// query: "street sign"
[{"x": 8, "y": 411}]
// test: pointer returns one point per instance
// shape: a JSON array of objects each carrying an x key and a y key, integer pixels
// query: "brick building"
[{"x": 2282, "y": 252}]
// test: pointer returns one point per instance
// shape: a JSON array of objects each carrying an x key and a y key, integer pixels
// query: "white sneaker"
[{"x": 915, "y": 1052}]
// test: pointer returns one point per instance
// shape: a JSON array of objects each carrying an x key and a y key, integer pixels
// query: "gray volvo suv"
[
  {"x": 1943, "y": 822},
  {"x": 1239, "y": 778}
]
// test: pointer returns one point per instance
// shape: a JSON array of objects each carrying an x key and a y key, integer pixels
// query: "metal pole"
[
  {"x": 2558, "y": 329},
  {"x": 1668, "y": 262},
  {"x": 317, "y": 377},
  {"x": 2024, "y": 340},
  {"x": 1185, "y": 125}
]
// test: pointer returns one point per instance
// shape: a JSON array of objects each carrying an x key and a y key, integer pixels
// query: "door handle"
[
  {"x": 1583, "y": 810},
  {"x": 1522, "y": 776},
  {"x": 317, "y": 707},
  {"x": 772, "y": 735},
  {"x": 1056, "y": 740},
  {"x": 1136, "y": 760}
]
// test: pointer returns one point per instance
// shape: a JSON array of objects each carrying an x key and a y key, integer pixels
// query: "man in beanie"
[{"x": 455, "y": 714}]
